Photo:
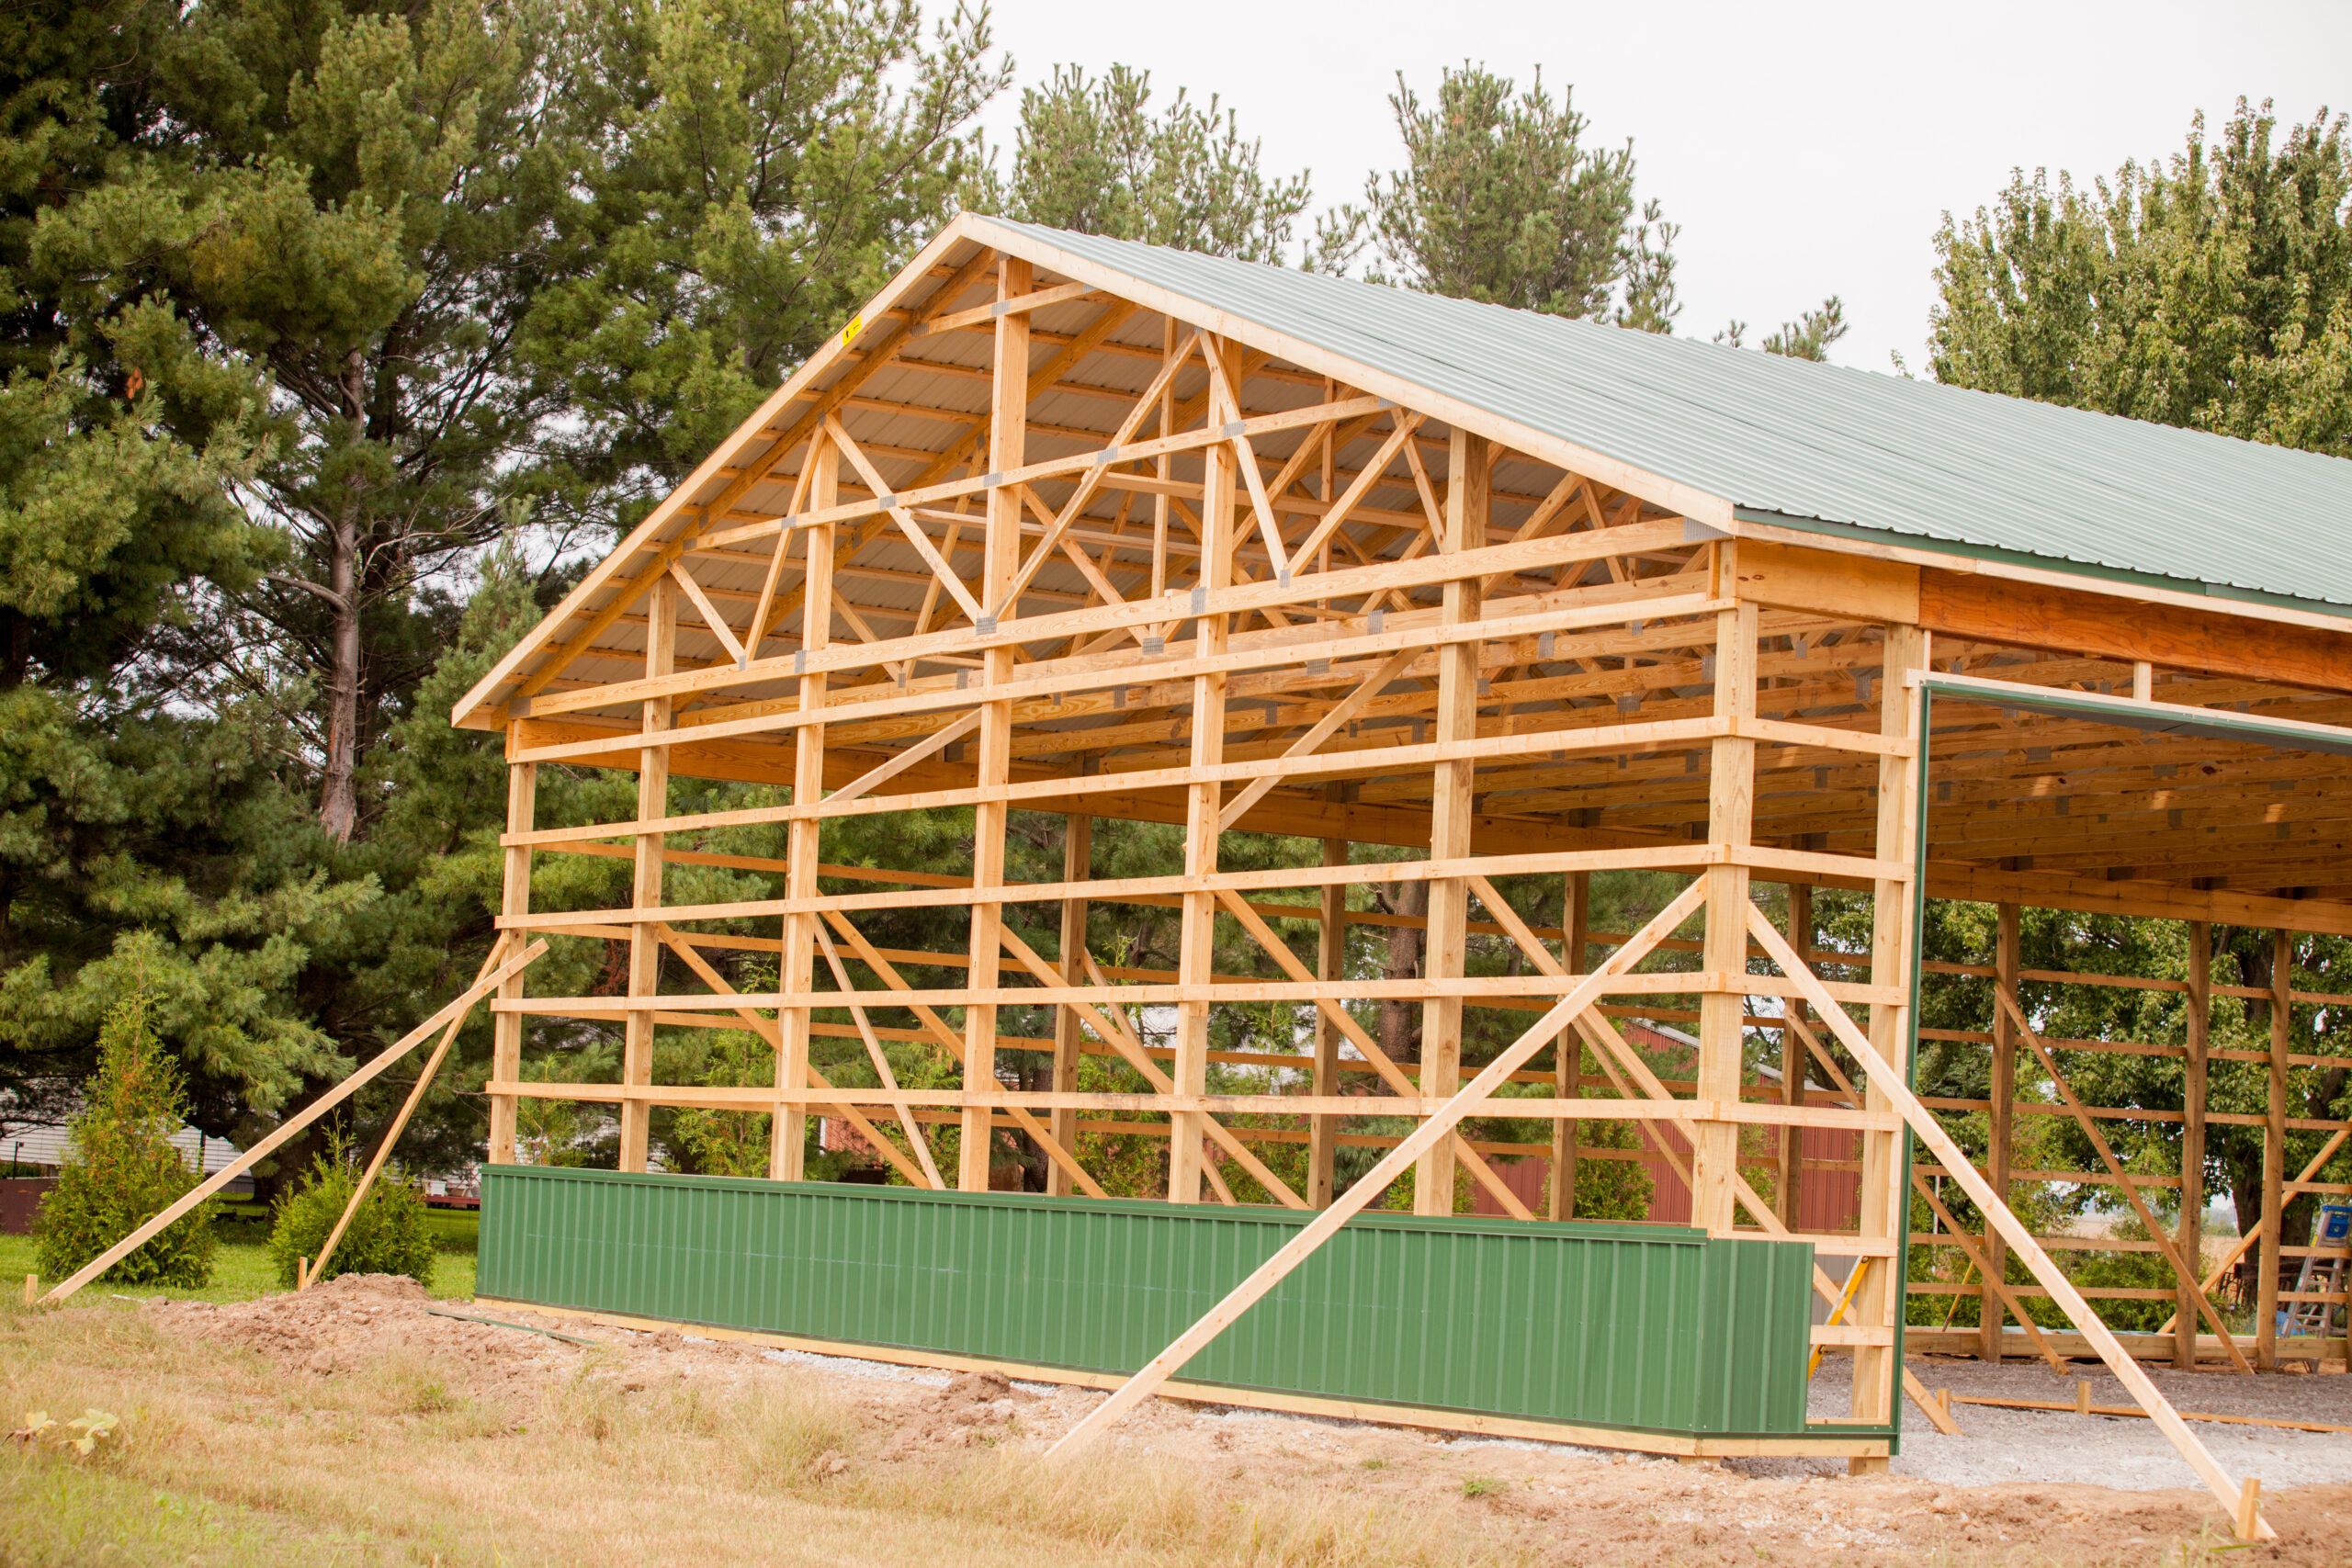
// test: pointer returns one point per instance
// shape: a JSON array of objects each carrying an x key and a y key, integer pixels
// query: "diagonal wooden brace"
[{"x": 1886, "y": 1081}]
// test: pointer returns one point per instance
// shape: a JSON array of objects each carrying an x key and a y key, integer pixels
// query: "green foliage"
[
  {"x": 2212, "y": 290},
  {"x": 1501, "y": 200},
  {"x": 1807, "y": 337},
  {"x": 1090, "y": 156},
  {"x": 389, "y": 1235},
  {"x": 1612, "y": 1189},
  {"x": 123, "y": 1170}
]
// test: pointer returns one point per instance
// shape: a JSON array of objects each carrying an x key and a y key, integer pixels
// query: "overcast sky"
[{"x": 1805, "y": 149}]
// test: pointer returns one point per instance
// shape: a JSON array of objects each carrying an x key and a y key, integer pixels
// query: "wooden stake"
[{"x": 455, "y": 1008}]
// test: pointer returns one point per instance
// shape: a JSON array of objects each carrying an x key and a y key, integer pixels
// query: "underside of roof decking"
[{"x": 2057, "y": 812}]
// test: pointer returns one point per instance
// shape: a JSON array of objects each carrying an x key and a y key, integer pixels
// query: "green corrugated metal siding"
[
  {"x": 1818, "y": 446},
  {"x": 1642, "y": 1328}
]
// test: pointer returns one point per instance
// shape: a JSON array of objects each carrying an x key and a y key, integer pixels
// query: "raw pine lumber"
[{"x": 450, "y": 1012}]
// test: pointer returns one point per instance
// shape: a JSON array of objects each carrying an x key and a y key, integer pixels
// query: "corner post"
[
  {"x": 1466, "y": 492},
  {"x": 514, "y": 900},
  {"x": 652, "y": 804},
  {"x": 1879, "y": 1303},
  {"x": 1001, "y": 559},
  {"x": 2192, "y": 1141},
  {"x": 1195, "y": 961},
  {"x": 2001, "y": 1122},
  {"x": 1731, "y": 805}
]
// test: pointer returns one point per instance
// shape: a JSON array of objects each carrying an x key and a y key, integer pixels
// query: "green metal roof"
[{"x": 1826, "y": 449}]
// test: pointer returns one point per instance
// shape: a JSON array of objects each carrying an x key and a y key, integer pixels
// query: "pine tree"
[
  {"x": 1501, "y": 200},
  {"x": 123, "y": 1170},
  {"x": 1090, "y": 155}
]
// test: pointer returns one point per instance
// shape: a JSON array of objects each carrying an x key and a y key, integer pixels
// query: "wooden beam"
[
  {"x": 2030, "y": 614},
  {"x": 1007, "y": 432},
  {"x": 644, "y": 941}
]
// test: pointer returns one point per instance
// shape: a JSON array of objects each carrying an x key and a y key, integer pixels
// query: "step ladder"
[{"x": 2323, "y": 1271}]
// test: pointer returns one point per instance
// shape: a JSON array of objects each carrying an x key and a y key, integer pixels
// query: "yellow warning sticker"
[{"x": 849, "y": 332}]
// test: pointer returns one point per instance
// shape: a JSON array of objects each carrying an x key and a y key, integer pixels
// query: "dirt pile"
[
  {"x": 356, "y": 1320},
  {"x": 977, "y": 1407}
]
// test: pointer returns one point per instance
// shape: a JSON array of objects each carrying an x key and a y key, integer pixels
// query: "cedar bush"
[
  {"x": 388, "y": 1235},
  {"x": 123, "y": 1170}
]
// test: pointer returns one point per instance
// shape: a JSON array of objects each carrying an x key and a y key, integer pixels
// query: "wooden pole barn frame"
[{"x": 1033, "y": 535}]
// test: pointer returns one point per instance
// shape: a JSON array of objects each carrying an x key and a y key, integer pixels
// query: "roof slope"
[{"x": 1823, "y": 447}]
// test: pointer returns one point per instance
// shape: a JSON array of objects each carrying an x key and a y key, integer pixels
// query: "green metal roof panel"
[{"x": 1823, "y": 445}]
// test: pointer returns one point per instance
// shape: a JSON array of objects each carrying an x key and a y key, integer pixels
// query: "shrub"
[
  {"x": 123, "y": 1170},
  {"x": 388, "y": 1235}
]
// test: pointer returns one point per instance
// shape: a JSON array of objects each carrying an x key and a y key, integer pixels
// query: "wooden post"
[
  {"x": 796, "y": 976},
  {"x": 1330, "y": 962},
  {"x": 1078, "y": 860},
  {"x": 1567, "y": 1051},
  {"x": 507, "y": 1027},
  {"x": 2194, "y": 1086},
  {"x": 2001, "y": 1122},
  {"x": 2274, "y": 1155},
  {"x": 644, "y": 937},
  {"x": 1001, "y": 559},
  {"x": 1884, "y": 1185},
  {"x": 1196, "y": 952},
  {"x": 1792, "y": 1063},
  {"x": 1731, "y": 800},
  {"x": 1467, "y": 491}
]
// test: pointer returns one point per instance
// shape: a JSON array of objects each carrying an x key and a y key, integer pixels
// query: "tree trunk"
[
  {"x": 339, "y": 781},
  {"x": 1400, "y": 1021}
]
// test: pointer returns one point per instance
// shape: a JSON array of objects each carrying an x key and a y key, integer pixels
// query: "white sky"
[{"x": 1805, "y": 149}]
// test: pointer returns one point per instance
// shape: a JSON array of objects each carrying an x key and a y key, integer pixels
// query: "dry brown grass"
[{"x": 234, "y": 1460}]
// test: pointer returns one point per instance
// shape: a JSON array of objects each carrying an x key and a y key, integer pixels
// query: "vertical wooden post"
[
  {"x": 2009, "y": 943},
  {"x": 1885, "y": 1185},
  {"x": 1794, "y": 1063},
  {"x": 1001, "y": 559},
  {"x": 797, "y": 971},
  {"x": 515, "y": 898},
  {"x": 1195, "y": 961},
  {"x": 1078, "y": 860},
  {"x": 1467, "y": 491},
  {"x": 2194, "y": 1088},
  {"x": 1330, "y": 962},
  {"x": 1731, "y": 803},
  {"x": 644, "y": 943},
  {"x": 2274, "y": 1154},
  {"x": 1567, "y": 1051}
]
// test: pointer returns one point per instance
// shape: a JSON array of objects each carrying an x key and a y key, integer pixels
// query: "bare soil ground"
[{"x": 358, "y": 1424}]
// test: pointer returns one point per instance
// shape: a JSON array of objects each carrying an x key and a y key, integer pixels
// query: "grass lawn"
[{"x": 241, "y": 1268}]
